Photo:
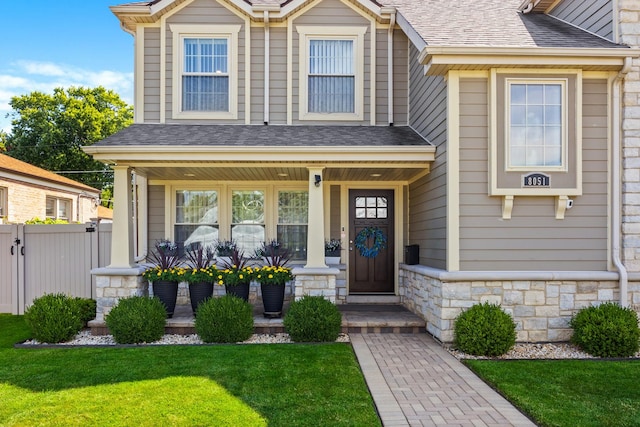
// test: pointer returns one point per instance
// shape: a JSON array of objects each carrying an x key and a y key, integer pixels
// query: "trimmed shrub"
[
  {"x": 313, "y": 319},
  {"x": 137, "y": 320},
  {"x": 86, "y": 308},
  {"x": 53, "y": 318},
  {"x": 607, "y": 330},
  {"x": 484, "y": 330},
  {"x": 226, "y": 319}
]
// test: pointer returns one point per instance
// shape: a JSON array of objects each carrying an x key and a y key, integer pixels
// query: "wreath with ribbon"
[{"x": 362, "y": 239}]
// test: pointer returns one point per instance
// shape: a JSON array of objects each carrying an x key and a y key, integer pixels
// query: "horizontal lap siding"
[
  {"x": 278, "y": 77},
  {"x": 257, "y": 75},
  {"x": 156, "y": 214},
  {"x": 151, "y": 75},
  {"x": 210, "y": 13},
  {"x": 400, "y": 78},
  {"x": 532, "y": 239},
  {"x": 427, "y": 225},
  {"x": 595, "y": 16},
  {"x": 332, "y": 13}
]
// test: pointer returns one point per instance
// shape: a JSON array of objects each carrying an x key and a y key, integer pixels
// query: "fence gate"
[{"x": 41, "y": 259}]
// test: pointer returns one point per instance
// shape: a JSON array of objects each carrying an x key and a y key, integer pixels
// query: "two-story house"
[{"x": 486, "y": 133}]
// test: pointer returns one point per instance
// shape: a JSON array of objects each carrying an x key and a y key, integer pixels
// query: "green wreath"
[{"x": 379, "y": 241}]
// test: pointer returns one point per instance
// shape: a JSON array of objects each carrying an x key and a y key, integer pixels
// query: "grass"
[
  {"x": 221, "y": 385},
  {"x": 568, "y": 392}
]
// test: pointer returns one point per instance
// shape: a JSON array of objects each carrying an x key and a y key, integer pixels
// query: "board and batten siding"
[
  {"x": 427, "y": 225},
  {"x": 156, "y": 217},
  {"x": 532, "y": 239},
  {"x": 210, "y": 13},
  {"x": 331, "y": 13},
  {"x": 151, "y": 82},
  {"x": 595, "y": 16}
]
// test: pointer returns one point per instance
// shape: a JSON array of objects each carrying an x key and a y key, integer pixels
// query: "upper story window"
[
  {"x": 205, "y": 76},
  {"x": 57, "y": 208},
  {"x": 331, "y": 73},
  {"x": 536, "y": 121}
]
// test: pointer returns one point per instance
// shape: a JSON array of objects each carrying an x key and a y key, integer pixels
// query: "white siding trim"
[{"x": 453, "y": 171}]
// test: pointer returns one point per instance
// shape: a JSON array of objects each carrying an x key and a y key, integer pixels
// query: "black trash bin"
[{"x": 412, "y": 254}]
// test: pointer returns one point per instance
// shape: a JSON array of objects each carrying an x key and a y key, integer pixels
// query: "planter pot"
[
  {"x": 272, "y": 300},
  {"x": 167, "y": 292},
  {"x": 241, "y": 290},
  {"x": 199, "y": 292},
  {"x": 332, "y": 260}
]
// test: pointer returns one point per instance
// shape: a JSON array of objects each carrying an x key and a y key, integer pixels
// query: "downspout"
[
  {"x": 392, "y": 24},
  {"x": 616, "y": 176},
  {"x": 267, "y": 48}
]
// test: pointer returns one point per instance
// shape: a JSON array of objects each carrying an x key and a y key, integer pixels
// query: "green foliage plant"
[
  {"x": 54, "y": 318},
  {"x": 46, "y": 221},
  {"x": 166, "y": 261},
  {"x": 313, "y": 319},
  {"x": 606, "y": 330},
  {"x": 86, "y": 308},
  {"x": 227, "y": 319},
  {"x": 484, "y": 330},
  {"x": 272, "y": 275},
  {"x": 136, "y": 320}
]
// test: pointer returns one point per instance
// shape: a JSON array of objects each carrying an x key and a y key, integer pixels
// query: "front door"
[{"x": 371, "y": 241}]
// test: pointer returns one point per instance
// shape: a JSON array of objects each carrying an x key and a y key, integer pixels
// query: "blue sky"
[{"x": 47, "y": 44}]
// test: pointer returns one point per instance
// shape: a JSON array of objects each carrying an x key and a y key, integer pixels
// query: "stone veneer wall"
[
  {"x": 316, "y": 282},
  {"x": 541, "y": 308},
  {"x": 114, "y": 284}
]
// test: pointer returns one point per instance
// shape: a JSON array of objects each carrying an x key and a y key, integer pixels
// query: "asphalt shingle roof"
[
  {"x": 9, "y": 164},
  {"x": 263, "y": 136}
]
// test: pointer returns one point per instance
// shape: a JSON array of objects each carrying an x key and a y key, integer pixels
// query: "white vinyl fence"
[{"x": 40, "y": 259}]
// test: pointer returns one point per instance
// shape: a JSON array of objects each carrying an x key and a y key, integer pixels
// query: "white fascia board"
[{"x": 411, "y": 33}]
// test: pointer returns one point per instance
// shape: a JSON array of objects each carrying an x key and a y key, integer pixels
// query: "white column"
[
  {"x": 122, "y": 228},
  {"x": 315, "y": 235}
]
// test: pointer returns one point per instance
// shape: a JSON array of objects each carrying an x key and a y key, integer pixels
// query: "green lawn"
[
  {"x": 221, "y": 385},
  {"x": 568, "y": 392}
]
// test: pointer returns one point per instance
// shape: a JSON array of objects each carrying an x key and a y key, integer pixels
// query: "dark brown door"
[{"x": 371, "y": 240}]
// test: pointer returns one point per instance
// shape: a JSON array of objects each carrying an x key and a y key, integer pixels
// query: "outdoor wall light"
[{"x": 318, "y": 180}]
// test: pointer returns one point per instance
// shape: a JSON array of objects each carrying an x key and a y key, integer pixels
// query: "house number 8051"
[{"x": 535, "y": 180}]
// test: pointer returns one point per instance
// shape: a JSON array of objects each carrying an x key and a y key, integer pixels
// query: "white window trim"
[
  {"x": 57, "y": 208},
  {"x": 507, "y": 125},
  {"x": 182, "y": 31},
  {"x": 308, "y": 33}
]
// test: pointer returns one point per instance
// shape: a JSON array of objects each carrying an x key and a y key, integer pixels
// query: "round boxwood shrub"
[
  {"x": 607, "y": 330},
  {"x": 53, "y": 318},
  {"x": 137, "y": 320},
  {"x": 313, "y": 319},
  {"x": 86, "y": 308},
  {"x": 484, "y": 330},
  {"x": 227, "y": 319}
]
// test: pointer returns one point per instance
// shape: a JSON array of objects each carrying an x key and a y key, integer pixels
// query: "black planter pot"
[
  {"x": 272, "y": 300},
  {"x": 240, "y": 290},
  {"x": 167, "y": 291},
  {"x": 199, "y": 292}
]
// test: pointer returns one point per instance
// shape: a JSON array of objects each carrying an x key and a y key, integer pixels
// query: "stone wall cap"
[
  {"x": 315, "y": 271},
  {"x": 118, "y": 271}
]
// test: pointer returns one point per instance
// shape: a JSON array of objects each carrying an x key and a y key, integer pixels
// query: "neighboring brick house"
[
  {"x": 500, "y": 136},
  {"x": 28, "y": 192}
]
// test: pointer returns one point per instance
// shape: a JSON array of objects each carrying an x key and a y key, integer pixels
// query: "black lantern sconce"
[{"x": 318, "y": 180}]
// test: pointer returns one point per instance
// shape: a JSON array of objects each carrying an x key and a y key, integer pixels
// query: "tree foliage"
[{"x": 49, "y": 130}]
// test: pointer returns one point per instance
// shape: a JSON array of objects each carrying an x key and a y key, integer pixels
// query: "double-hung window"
[
  {"x": 293, "y": 214},
  {"x": 205, "y": 71},
  {"x": 57, "y": 208},
  {"x": 331, "y": 73},
  {"x": 196, "y": 219},
  {"x": 248, "y": 219}
]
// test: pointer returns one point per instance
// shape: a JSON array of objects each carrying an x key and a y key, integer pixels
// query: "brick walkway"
[{"x": 415, "y": 382}]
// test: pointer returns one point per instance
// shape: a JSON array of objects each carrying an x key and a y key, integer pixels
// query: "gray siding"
[
  {"x": 257, "y": 75},
  {"x": 335, "y": 230},
  {"x": 400, "y": 78},
  {"x": 427, "y": 196},
  {"x": 151, "y": 75},
  {"x": 532, "y": 239},
  {"x": 206, "y": 12},
  {"x": 278, "y": 79},
  {"x": 156, "y": 218},
  {"x": 595, "y": 16}
]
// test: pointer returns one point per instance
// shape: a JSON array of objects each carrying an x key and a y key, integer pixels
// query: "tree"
[
  {"x": 3, "y": 141},
  {"x": 49, "y": 131}
]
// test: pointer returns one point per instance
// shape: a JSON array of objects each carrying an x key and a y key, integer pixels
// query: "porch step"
[
  {"x": 373, "y": 299},
  {"x": 356, "y": 318}
]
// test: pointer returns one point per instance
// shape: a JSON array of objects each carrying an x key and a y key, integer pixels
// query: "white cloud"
[{"x": 24, "y": 77}]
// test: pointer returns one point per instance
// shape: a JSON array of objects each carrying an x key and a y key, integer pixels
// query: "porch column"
[
  {"x": 122, "y": 228},
  {"x": 315, "y": 234}
]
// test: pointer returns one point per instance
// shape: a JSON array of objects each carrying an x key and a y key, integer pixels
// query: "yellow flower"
[
  {"x": 220, "y": 282},
  {"x": 240, "y": 276}
]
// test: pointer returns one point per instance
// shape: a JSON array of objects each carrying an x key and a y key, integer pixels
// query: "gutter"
[{"x": 616, "y": 214}]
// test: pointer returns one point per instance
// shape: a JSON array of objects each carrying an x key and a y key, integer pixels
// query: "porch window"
[
  {"x": 205, "y": 81},
  {"x": 536, "y": 123},
  {"x": 3, "y": 202},
  {"x": 331, "y": 72},
  {"x": 57, "y": 208},
  {"x": 293, "y": 213},
  {"x": 196, "y": 223},
  {"x": 248, "y": 219}
]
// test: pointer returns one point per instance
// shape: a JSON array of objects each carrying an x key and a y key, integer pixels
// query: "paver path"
[{"x": 415, "y": 382}]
